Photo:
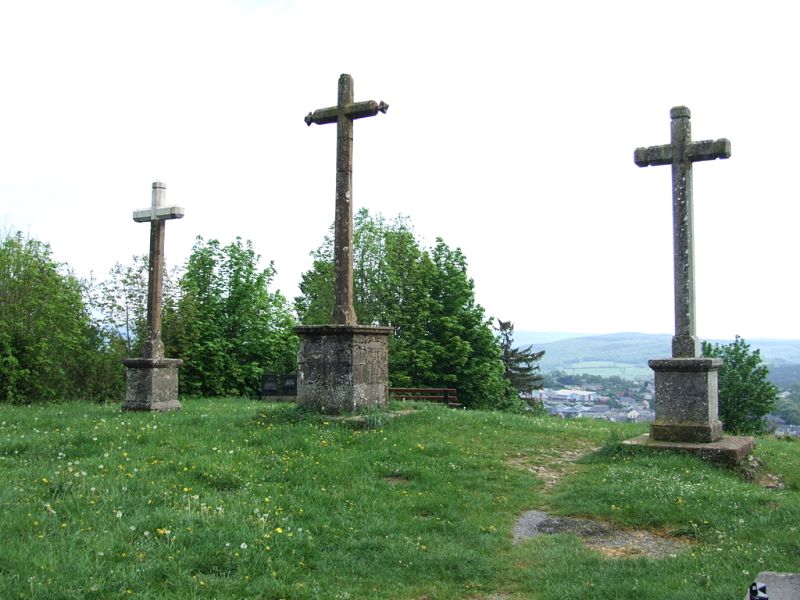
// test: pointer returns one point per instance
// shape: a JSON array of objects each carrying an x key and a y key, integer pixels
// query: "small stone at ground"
[{"x": 780, "y": 586}]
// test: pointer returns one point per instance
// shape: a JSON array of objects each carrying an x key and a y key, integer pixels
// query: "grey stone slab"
[
  {"x": 780, "y": 586},
  {"x": 728, "y": 450}
]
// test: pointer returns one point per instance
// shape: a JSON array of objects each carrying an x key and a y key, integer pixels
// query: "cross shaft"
[
  {"x": 681, "y": 152},
  {"x": 343, "y": 115},
  {"x": 157, "y": 215}
]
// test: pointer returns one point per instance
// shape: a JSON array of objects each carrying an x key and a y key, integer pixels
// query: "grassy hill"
[
  {"x": 239, "y": 499},
  {"x": 626, "y": 354}
]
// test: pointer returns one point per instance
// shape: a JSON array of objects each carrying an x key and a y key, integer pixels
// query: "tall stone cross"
[
  {"x": 343, "y": 114},
  {"x": 156, "y": 215},
  {"x": 681, "y": 152}
]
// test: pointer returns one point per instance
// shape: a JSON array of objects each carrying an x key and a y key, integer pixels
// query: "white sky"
[{"x": 510, "y": 134}]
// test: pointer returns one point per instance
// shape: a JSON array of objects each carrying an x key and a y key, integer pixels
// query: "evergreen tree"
[
  {"x": 521, "y": 364},
  {"x": 745, "y": 393}
]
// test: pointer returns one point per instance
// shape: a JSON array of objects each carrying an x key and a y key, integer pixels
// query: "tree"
[
  {"x": 226, "y": 325},
  {"x": 745, "y": 394},
  {"x": 50, "y": 349},
  {"x": 441, "y": 336},
  {"x": 788, "y": 408},
  {"x": 468, "y": 356},
  {"x": 121, "y": 302},
  {"x": 521, "y": 365}
]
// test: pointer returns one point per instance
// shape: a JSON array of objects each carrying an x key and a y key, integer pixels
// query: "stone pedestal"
[
  {"x": 152, "y": 384},
  {"x": 686, "y": 400},
  {"x": 780, "y": 586},
  {"x": 342, "y": 368}
]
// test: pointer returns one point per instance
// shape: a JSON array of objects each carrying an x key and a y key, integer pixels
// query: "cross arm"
[
  {"x": 358, "y": 110},
  {"x": 653, "y": 156},
  {"x": 709, "y": 150},
  {"x": 695, "y": 152},
  {"x": 161, "y": 213}
]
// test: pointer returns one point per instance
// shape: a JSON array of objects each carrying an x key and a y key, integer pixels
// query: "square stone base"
[
  {"x": 686, "y": 403},
  {"x": 780, "y": 586},
  {"x": 728, "y": 450},
  {"x": 152, "y": 384},
  {"x": 342, "y": 368}
]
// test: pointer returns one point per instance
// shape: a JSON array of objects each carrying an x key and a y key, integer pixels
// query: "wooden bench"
[{"x": 448, "y": 396}]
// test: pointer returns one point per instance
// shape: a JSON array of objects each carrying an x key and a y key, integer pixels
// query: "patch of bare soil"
[
  {"x": 396, "y": 480},
  {"x": 754, "y": 470},
  {"x": 599, "y": 535},
  {"x": 550, "y": 466}
]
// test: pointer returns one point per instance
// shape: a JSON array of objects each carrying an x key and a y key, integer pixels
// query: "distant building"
[
  {"x": 570, "y": 413},
  {"x": 577, "y": 396}
]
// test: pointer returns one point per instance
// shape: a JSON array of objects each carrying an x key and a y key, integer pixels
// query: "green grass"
[{"x": 238, "y": 499}]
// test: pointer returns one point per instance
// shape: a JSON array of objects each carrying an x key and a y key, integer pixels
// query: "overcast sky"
[{"x": 510, "y": 134}]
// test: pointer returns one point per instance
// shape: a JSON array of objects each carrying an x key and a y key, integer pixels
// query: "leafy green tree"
[
  {"x": 442, "y": 338},
  {"x": 121, "y": 302},
  {"x": 226, "y": 325},
  {"x": 50, "y": 349},
  {"x": 467, "y": 355},
  {"x": 745, "y": 394},
  {"x": 521, "y": 364}
]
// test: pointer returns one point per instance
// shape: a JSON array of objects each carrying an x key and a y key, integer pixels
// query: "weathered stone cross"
[
  {"x": 681, "y": 152},
  {"x": 343, "y": 114},
  {"x": 157, "y": 214}
]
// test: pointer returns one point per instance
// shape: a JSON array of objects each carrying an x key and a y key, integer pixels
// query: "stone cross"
[
  {"x": 156, "y": 215},
  {"x": 343, "y": 114},
  {"x": 681, "y": 152}
]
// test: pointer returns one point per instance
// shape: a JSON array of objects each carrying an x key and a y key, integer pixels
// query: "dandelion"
[
  {"x": 278, "y": 530},
  {"x": 243, "y": 546}
]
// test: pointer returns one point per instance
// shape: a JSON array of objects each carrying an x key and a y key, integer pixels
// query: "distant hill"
[
  {"x": 527, "y": 338},
  {"x": 626, "y": 354}
]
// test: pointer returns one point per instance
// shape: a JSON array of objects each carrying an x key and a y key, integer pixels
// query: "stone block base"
[
  {"x": 780, "y": 586},
  {"x": 152, "y": 384},
  {"x": 728, "y": 450},
  {"x": 686, "y": 403},
  {"x": 342, "y": 368}
]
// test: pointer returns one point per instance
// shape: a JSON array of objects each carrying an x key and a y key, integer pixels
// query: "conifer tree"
[{"x": 521, "y": 365}]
